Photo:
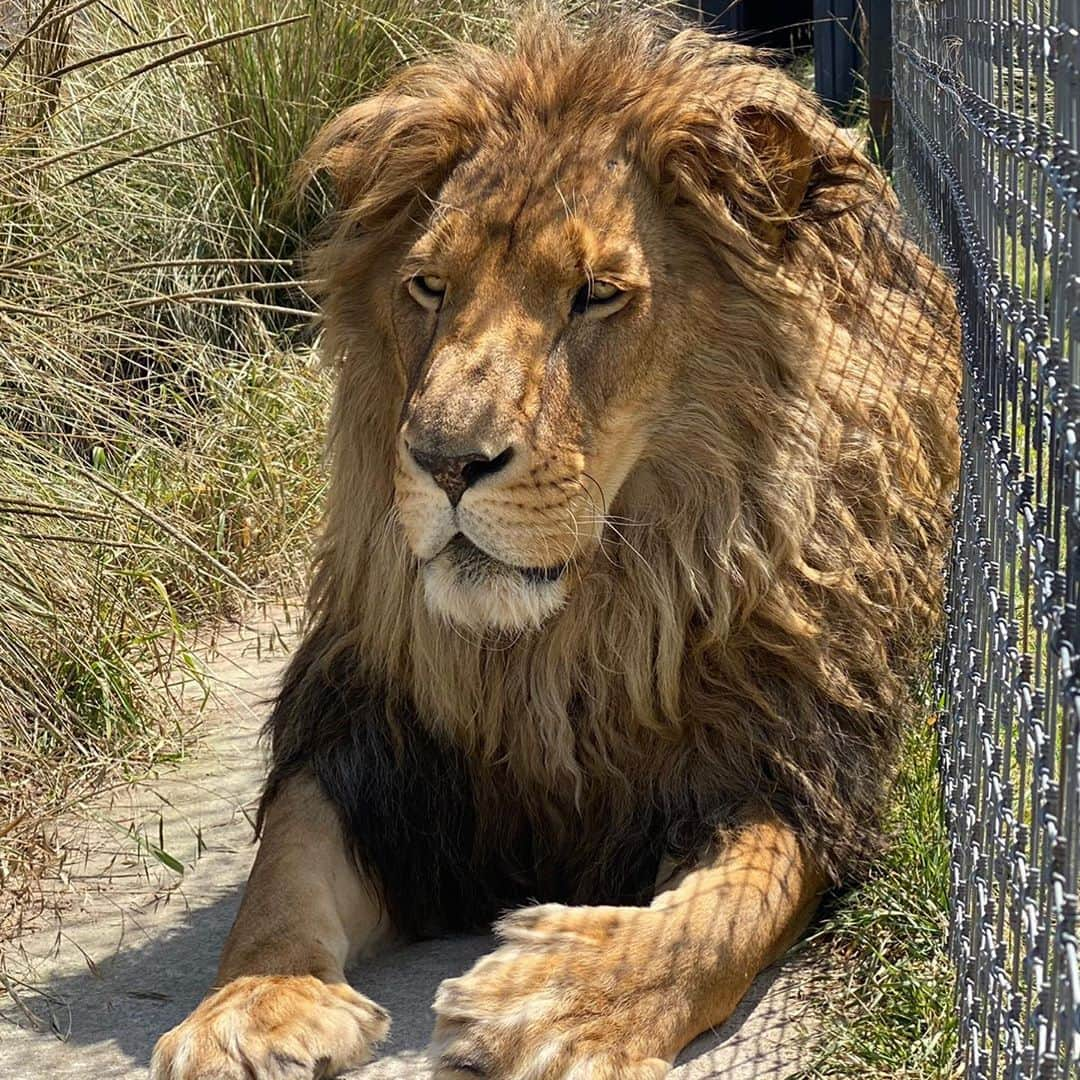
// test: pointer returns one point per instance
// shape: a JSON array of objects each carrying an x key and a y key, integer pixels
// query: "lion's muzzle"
[
  {"x": 491, "y": 488},
  {"x": 492, "y": 531}
]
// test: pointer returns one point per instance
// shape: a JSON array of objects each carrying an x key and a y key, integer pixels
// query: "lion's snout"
[{"x": 456, "y": 472}]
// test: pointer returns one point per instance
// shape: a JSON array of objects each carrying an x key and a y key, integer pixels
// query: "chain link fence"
[{"x": 987, "y": 137}]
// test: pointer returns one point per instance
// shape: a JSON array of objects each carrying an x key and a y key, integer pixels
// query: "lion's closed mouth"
[{"x": 473, "y": 561}]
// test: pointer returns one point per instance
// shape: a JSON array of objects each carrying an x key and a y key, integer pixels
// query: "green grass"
[
  {"x": 274, "y": 90},
  {"x": 890, "y": 1010}
]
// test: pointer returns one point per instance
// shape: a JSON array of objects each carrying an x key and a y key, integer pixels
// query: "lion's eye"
[
  {"x": 600, "y": 296},
  {"x": 427, "y": 290}
]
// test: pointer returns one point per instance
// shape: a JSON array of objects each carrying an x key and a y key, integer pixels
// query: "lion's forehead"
[{"x": 553, "y": 219}]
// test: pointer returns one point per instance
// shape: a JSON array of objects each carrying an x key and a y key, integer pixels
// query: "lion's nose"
[{"x": 456, "y": 474}]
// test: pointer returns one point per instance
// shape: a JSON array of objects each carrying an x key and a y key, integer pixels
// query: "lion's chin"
[{"x": 476, "y": 592}]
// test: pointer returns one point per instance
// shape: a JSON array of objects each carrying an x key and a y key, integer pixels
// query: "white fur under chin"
[{"x": 504, "y": 602}]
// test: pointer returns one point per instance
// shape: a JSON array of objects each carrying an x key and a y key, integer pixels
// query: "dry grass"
[{"x": 160, "y": 410}]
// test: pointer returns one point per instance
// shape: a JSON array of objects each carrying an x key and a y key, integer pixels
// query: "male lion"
[{"x": 642, "y": 448}]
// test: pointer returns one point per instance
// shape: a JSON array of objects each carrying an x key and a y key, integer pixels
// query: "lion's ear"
[
  {"x": 751, "y": 166},
  {"x": 766, "y": 178},
  {"x": 382, "y": 152},
  {"x": 342, "y": 144},
  {"x": 769, "y": 195}
]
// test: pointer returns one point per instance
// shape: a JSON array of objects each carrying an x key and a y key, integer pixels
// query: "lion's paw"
[
  {"x": 565, "y": 998},
  {"x": 272, "y": 1028}
]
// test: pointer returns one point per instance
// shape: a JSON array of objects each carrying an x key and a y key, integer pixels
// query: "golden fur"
[
  {"x": 643, "y": 450},
  {"x": 749, "y": 604}
]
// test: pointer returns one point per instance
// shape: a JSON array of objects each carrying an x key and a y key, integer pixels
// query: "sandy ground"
[{"x": 136, "y": 945}]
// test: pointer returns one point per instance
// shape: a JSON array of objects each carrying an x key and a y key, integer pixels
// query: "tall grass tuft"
[{"x": 272, "y": 91}]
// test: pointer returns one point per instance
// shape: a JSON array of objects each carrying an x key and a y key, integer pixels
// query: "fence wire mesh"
[{"x": 987, "y": 138}]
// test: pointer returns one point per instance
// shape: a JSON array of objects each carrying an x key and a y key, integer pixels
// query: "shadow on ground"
[{"x": 102, "y": 1021}]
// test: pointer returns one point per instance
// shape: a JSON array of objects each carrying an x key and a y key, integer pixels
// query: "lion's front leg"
[
  {"x": 611, "y": 993},
  {"x": 283, "y": 1009}
]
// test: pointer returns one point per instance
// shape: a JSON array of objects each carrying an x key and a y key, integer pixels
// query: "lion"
[{"x": 643, "y": 450}]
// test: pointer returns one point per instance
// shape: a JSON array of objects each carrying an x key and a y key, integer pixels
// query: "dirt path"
[{"x": 137, "y": 944}]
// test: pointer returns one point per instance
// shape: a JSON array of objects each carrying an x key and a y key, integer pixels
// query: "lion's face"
[
  {"x": 534, "y": 376},
  {"x": 550, "y": 280}
]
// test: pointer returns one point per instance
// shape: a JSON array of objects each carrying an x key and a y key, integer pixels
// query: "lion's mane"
[{"x": 752, "y": 638}]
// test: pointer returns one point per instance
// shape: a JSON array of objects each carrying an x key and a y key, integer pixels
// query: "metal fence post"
[
  {"x": 879, "y": 79},
  {"x": 836, "y": 54}
]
